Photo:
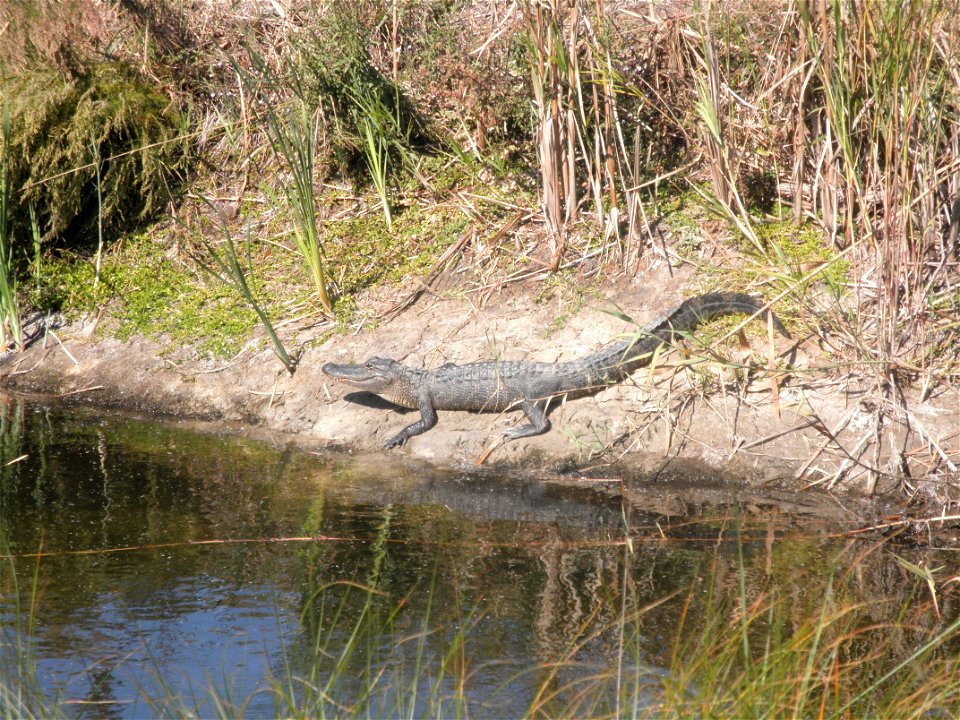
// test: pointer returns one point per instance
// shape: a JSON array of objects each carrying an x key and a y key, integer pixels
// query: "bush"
[{"x": 62, "y": 129}]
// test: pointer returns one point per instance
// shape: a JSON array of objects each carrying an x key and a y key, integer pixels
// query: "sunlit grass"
[
  {"x": 740, "y": 649},
  {"x": 10, "y": 328}
]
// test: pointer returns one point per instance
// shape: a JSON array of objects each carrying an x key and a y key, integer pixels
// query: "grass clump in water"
[{"x": 834, "y": 660}]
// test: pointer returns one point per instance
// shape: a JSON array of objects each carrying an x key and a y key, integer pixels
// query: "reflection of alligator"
[{"x": 495, "y": 386}]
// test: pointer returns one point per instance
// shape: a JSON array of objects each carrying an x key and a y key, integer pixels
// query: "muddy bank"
[{"x": 820, "y": 429}]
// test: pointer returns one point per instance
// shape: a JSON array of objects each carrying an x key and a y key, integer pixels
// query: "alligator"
[{"x": 500, "y": 385}]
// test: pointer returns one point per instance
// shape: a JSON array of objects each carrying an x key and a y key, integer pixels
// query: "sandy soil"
[{"x": 821, "y": 430}]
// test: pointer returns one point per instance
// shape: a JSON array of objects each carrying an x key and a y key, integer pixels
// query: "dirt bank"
[{"x": 822, "y": 429}]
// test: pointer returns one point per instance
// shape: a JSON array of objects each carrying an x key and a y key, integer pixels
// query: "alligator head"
[{"x": 380, "y": 376}]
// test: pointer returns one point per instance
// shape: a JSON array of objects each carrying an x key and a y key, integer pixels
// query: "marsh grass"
[
  {"x": 745, "y": 651},
  {"x": 293, "y": 128},
  {"x": 21, "y": 693},
  {"x": 740, "y": 648},
  {"x": 759, "y": 657},
  {"x": 11, "y": 332},
  {"x": 376, "y": 149},
  {"x": 580, "y": 135},
  {"x": 886, "y": 100},
  {"x": 848, "y": 117}
]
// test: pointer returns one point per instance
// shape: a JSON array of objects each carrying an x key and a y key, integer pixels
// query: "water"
[{"x": 185, "y": 570}]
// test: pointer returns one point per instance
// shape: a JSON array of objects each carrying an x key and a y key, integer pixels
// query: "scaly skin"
[{"x": 496, "y": 386}]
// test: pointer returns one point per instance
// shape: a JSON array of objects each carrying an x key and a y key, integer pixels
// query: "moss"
[
  {"x": 65, "y": 285},
  {"x": 799, "y": 249},
  {"x": 210, "y": 316},
  {"x": 150, "y": 295},
  {"x": 62, "y": 129},
  {"x": 362, "y": 252}
]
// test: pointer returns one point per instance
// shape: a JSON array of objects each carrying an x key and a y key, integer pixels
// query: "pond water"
[{"x": 153, "y": 568}]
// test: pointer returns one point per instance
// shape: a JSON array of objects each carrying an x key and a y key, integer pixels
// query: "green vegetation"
[
  {"x": 363, "y": 140},
  {"x": 152, "y": 295},
  {"x": 293, "y": 133},
  {"x": 214, "y": 320},
  {"x": 66, "y": 132},
  {"x": 372, "y": 254},
  {"x": 799, "y": 159},
  {"x": 829, "y": 657},
  {"x": 747, "y": 644},
  {"x": 10, "y": 330}
]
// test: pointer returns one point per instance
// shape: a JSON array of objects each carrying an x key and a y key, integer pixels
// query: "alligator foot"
[{"x": 539, "y": 423}]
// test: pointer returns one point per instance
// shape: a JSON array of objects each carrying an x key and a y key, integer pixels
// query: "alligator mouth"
[{"x": 363, "y": 377}]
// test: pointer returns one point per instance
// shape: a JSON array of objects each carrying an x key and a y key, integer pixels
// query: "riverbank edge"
[{"x": 816, "y": 429}]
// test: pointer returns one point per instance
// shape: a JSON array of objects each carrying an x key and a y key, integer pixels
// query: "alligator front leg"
[
  {"x": 428, "y": 418},
  {"x": 535, "y": 410}
]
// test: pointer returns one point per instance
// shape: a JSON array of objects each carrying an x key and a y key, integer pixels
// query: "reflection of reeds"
[
  {"x": 750, "y": 643},
  {"x": 742, "y": 633}
]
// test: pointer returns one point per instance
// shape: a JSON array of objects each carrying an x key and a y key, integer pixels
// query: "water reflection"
[{"x": 186, "y": 571}]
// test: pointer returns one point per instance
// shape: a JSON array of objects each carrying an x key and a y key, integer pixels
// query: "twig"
[
  {"x": 63, "y": 347},
  {"x": 431, "y": 276},
  {"x": 897, "y": 523},
  {"x": 489, "y": 450},
  {"x": 781, "y": 433},
  {"x": 81, "y": 390}
]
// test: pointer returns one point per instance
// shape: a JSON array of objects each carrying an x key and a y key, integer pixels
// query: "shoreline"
[{"x": 810, "y": 433}]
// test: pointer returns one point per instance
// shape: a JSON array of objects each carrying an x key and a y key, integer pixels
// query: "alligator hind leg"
[{"x": 535, "y": 410}]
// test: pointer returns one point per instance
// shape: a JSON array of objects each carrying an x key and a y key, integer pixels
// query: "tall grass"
[
  {"x": 369, "y": 119},
  {"x": 293, "y": 129},
  {"x": 740, "y": 648},
  {"x": 832, "y": 659},
  {"x": 719, "y": 143},
  {"x": 884, "y": 115},
  {"x": 21, "y": 694},
  {"x": 549, "y": 30},
  {"x": 380, "y": 126},
  {"x": 11, "y": 331},
  {"x": 578, "y": 131},
  {"x": 849, "y": 113},
  {"x": 745, "y": 650}
]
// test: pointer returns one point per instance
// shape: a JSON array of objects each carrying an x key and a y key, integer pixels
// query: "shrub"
[{"x": 62, "y": 129}]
